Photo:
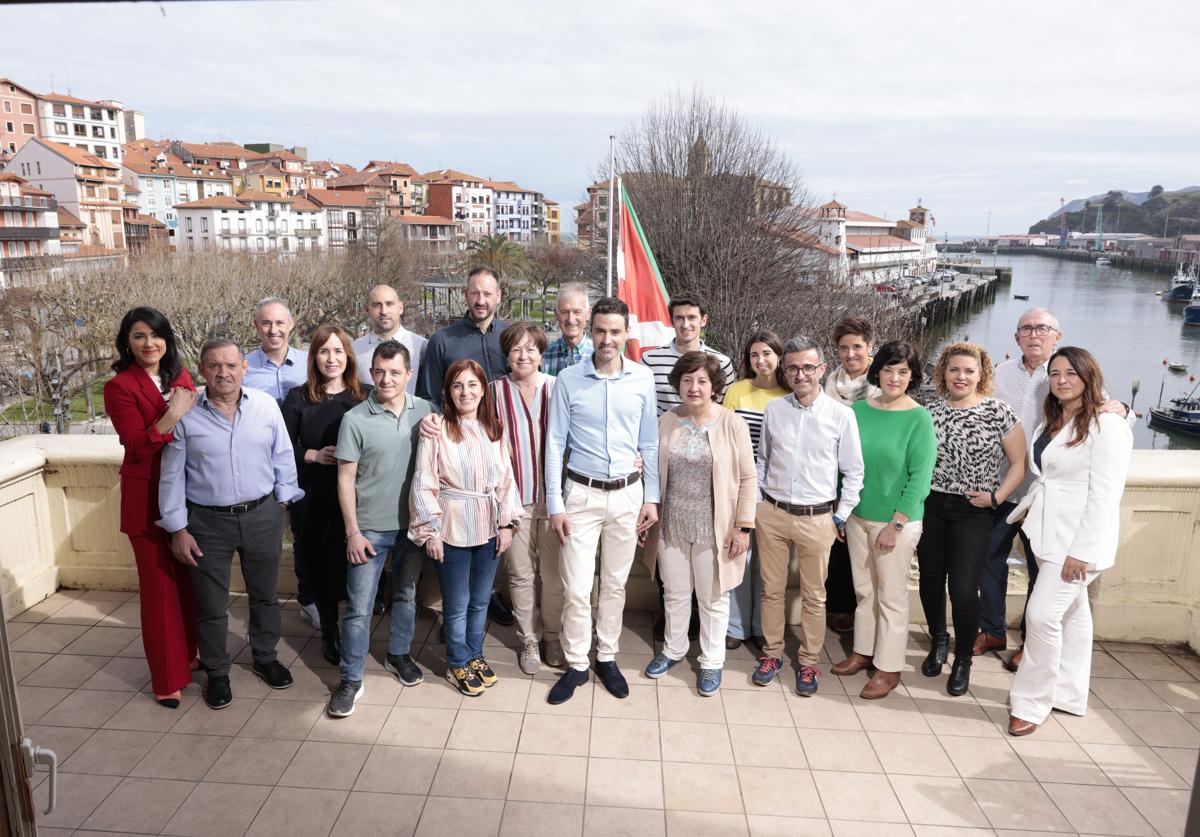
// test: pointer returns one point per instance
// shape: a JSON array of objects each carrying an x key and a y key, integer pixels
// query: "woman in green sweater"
[{"x": 899, "y": 451}]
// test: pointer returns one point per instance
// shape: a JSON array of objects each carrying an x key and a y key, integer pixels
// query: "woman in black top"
[{"x": 313, "y": 414}]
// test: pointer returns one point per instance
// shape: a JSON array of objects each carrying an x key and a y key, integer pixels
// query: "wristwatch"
[
  {"x": 746, "y": 530},
  {"x": 897, "y": 525}
]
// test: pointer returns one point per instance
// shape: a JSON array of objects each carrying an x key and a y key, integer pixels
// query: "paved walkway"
[{"x": 425, "y": 761}]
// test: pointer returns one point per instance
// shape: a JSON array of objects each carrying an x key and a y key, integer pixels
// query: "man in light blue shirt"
[
  {"x": 275, "y": 366},
  {"x": 226, "y": 476},
  {"x": 603, "y": 409}
]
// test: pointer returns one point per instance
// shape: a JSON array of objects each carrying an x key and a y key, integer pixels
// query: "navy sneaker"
[
  {"x": 709, "y": 681},
  {"x": 768, "y": 667},
  {"x": 660, "y": 665},
  {"x": 612, "y": 679},
  {"x": 806, "y": 681},
  {"x": 562, "y": 691}
]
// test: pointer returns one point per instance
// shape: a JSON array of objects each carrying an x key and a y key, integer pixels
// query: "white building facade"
[
  {"x": 96, "y": 127},
  {"x": 253, "y": 221},
  {"x": 870, "y": 249}
]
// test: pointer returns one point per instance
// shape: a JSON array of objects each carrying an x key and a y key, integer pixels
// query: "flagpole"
[{"x": 612, "y": 179}]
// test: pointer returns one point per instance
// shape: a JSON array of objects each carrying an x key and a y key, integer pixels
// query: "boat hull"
[
  {"x": 1191, "y": 315},
  {"x": 1179, "y": 293},
  {"x": 1160, "y": 419}
]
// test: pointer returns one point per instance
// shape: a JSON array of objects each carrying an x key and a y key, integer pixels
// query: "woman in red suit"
[{"x": 149, "y": 394}]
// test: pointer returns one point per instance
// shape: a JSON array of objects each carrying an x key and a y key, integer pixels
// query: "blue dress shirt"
[
  {"x": 605, "y": 422},
  {"x": 262, "y": 372},
  {"x": 212, "y": 462}
]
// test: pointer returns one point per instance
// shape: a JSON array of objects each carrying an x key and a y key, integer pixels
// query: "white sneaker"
[
  {"x": 310, "y": 615},
  {"x": 530, "y": 661}
]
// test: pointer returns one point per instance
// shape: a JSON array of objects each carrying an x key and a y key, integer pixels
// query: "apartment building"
[
  {"x": 18, "y": 117},
  {"x": 461, "y": 197},
  {"x": 253, "y": 221},
  {"x": 351, "y": 218},
  {"x": 440, "y": 236},
  {"x": 87, "y": 186},
  {"x": 95, "y": 127},
  {"x": 553, "y": 221},
  {"x": 407, "y": 187},
  {"x": 29, "y": 235},
  {"x": 591, "y": 218},
  {"x": 516, "y": 211}
]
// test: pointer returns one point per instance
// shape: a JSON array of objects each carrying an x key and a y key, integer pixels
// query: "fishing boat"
[
  {"x": 1177, "y": 367},
  {"x": 1183, "y": 416},
  {"x": 1191, "y": 314},
  {"x": 1103, "y": 260},
  {"x": 1182, "y": 285}
]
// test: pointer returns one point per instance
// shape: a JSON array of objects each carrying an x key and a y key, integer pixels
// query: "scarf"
[{"x": 841, "y": 387}]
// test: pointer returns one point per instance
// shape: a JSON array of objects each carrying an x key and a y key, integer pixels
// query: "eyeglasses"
[
  {"x": 1039, "y": 330},
  {"x": 808, "y": 370}
]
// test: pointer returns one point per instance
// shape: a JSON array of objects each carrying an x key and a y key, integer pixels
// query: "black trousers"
[
  {"x": 257, "y": 537},
  {"x": 954, "y": 546},
  {"x": 839, "y": 583}
]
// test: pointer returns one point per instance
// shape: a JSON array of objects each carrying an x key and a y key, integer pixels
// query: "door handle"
[{"x": 40, "y": 755}]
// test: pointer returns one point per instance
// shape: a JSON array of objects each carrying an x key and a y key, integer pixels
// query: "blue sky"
[{"x": 972, "y": 107}]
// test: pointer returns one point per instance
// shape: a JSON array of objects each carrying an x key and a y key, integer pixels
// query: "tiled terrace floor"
[{"x": 753, "y": 761}]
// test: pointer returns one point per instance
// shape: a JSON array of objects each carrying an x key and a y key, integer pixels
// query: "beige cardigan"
[{"x": 735, "y": 486}]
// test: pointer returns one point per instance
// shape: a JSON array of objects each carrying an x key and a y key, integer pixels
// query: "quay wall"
[
  {"x": 59, "y": 507},
  {"x": 1117, "y": 259}
]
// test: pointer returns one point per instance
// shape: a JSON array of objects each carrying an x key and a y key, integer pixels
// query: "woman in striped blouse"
[
  {"x": 760, "y": 381},
  {"x": 523, "y": 403},
  {"x": 464, "y": 510}
]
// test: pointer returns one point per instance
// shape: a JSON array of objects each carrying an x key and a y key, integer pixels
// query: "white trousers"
[
  {"x": 1057, "y": 665},
  {"x": 684, "y": 569},
  {"x": 881, "y": 587},
  {"x": 607, "y": 519},
  {"x": 533, "y": 558}
]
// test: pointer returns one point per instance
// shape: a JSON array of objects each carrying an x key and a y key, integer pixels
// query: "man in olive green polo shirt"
[{"x": 376, "y": 453}]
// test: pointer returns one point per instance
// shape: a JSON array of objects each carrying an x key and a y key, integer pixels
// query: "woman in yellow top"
[{"x": 759, "y": 381}]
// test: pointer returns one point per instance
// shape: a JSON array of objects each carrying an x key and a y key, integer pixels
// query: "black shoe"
[
  {"x": 960, "y": 676},
  {"x": 613, "y": 680},
  {"x": 331, "y": 649},
  {"x": 732, "y": 642},
  {"x": 217, "y": 693},
  {"x": 694, "y": 626},
  {"x": 499, "y": 612},
  {"x": 660, "y": 627},
  {"x": 402, "y": 665},
  {"x": 758, "y": 641},
  {"x": 380, "y": 607},
  {"x": 274, "y": 674},
  {"x": 345, "y": 696},
  {"x": 936, "y": 658},
  {"x": 562, "y": 691}
]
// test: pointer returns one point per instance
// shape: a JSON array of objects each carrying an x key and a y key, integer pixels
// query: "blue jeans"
[
  {"x": 466, "y": 574},
  {"x": 993, "y": 586},
  {"x": 745, "y": 618},
  {"x": 361, "y": 583}
]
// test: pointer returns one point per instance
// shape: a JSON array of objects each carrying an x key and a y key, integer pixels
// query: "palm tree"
[{"x": 501, "y": 254}]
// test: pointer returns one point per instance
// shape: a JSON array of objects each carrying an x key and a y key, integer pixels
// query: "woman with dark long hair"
[
  {"x": 313, "y": 415},
  {"x": 465, "y": 508},
  {"x": 147, "y": 397},
  {"x": 1080, "y": 457}
]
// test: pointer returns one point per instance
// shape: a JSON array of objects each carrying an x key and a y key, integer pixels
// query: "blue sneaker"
[
  {"x": 709, "y": 682},
  {"x": 660, "y": 665},
  {"x": 768, "y": 667},
  {"x": 806, "y": 681}
]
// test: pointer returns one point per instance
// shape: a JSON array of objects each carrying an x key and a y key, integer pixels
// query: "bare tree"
[{"x": 728, "y": 217}]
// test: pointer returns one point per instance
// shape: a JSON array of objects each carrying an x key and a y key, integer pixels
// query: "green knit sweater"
[{"x": 899, "y": 449}]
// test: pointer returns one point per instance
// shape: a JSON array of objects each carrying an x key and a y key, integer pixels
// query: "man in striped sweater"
[{"x": 689, "y": 319}]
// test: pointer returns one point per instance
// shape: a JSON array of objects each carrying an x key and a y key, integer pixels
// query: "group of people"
[{"x": 490, "y": 445}]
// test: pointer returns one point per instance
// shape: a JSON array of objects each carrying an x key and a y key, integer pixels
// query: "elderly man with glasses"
[{"x": 808, "y": 440}]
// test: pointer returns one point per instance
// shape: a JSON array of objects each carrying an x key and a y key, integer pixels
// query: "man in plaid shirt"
[{"x": 571, "y": 309}]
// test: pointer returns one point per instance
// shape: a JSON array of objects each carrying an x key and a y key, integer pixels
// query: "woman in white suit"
[{"x": 1080, "y": 457}]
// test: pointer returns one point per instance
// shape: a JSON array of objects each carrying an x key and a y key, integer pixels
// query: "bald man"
[{"x": 384, "y": 312}]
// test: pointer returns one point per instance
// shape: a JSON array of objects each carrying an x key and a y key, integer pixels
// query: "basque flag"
[{"x": 640, "y": 285}]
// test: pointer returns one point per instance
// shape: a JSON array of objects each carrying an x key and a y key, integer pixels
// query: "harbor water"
[{"x": 1112, "y": 312}]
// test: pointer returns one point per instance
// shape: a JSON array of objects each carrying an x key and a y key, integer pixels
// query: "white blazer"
[{"x": 1072, "y": 510}]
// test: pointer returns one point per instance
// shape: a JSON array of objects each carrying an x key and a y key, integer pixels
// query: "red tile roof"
[
  {"x": 432, "y": 220},
  {"x": 215, "y": 202},
  {"x": 66, "y": 219},
  {"x": 852, "y": 215},
  {"x": 258, "y": 195},
  {"x": 387, "y": 167},
  {"x": 23, "y": 89},
  {"x": 331, "y": 197},
  {"x": 451, "y": 175},
  {"x": 77, "y": 156},
  {"x": 362, "y": 178},
  {"x": 833, "y": 205},
  {"x": 304, "y": 205},
  {"x": 505, "y": 186},
  {"x": 879, "y": 242},
  {"x": 70, "y": 100}
]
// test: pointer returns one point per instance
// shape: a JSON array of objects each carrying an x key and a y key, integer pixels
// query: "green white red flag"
[{"x": 640, "y": 285}]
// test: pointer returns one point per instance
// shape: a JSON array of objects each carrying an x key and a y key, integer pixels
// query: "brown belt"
[
  {"x": 604, "y": 485},
  {"x": 801, "y": 511}
]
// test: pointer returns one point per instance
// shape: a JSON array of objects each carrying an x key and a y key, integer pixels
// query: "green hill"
[{"x": 1176, "y": 213}]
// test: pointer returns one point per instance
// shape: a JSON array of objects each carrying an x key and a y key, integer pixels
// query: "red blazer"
[{"x": 133, "y": 403}]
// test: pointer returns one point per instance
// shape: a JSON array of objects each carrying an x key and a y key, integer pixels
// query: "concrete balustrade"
[{"x": 59, "y": 503}]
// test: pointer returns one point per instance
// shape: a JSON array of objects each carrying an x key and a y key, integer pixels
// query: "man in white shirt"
[
  {"x": 384, "y": 312},
  {"x": 1023, "y": 384},
  {"x": 689, "y": 319},
  {"x": 808, "y": 440}
]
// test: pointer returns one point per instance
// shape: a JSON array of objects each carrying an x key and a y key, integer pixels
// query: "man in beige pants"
[{"x": 808, "y": 440}]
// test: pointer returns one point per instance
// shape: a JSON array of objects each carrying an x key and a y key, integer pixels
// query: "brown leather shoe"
[
  {"x": 881, "y": 685},
  {"x": 1018, "y": 727},
  {"x": 1015, "y": 660},
  {"x": 986, "y": 642},
  {"x": 851, "y": 665},
  {"x": 842, "y": 623}
]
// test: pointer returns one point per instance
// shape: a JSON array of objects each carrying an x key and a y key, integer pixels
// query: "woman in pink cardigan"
[{"x": 706, "y": 471}]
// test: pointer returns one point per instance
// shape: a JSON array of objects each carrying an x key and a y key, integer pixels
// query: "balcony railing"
[
  {"x": 28, "y": 233},
  {"x": 303, "y": 232},
  {"x": 29, "y": 262},
  {"x": 239, "y": 233},
  {"x": 28, "y": 203}
]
